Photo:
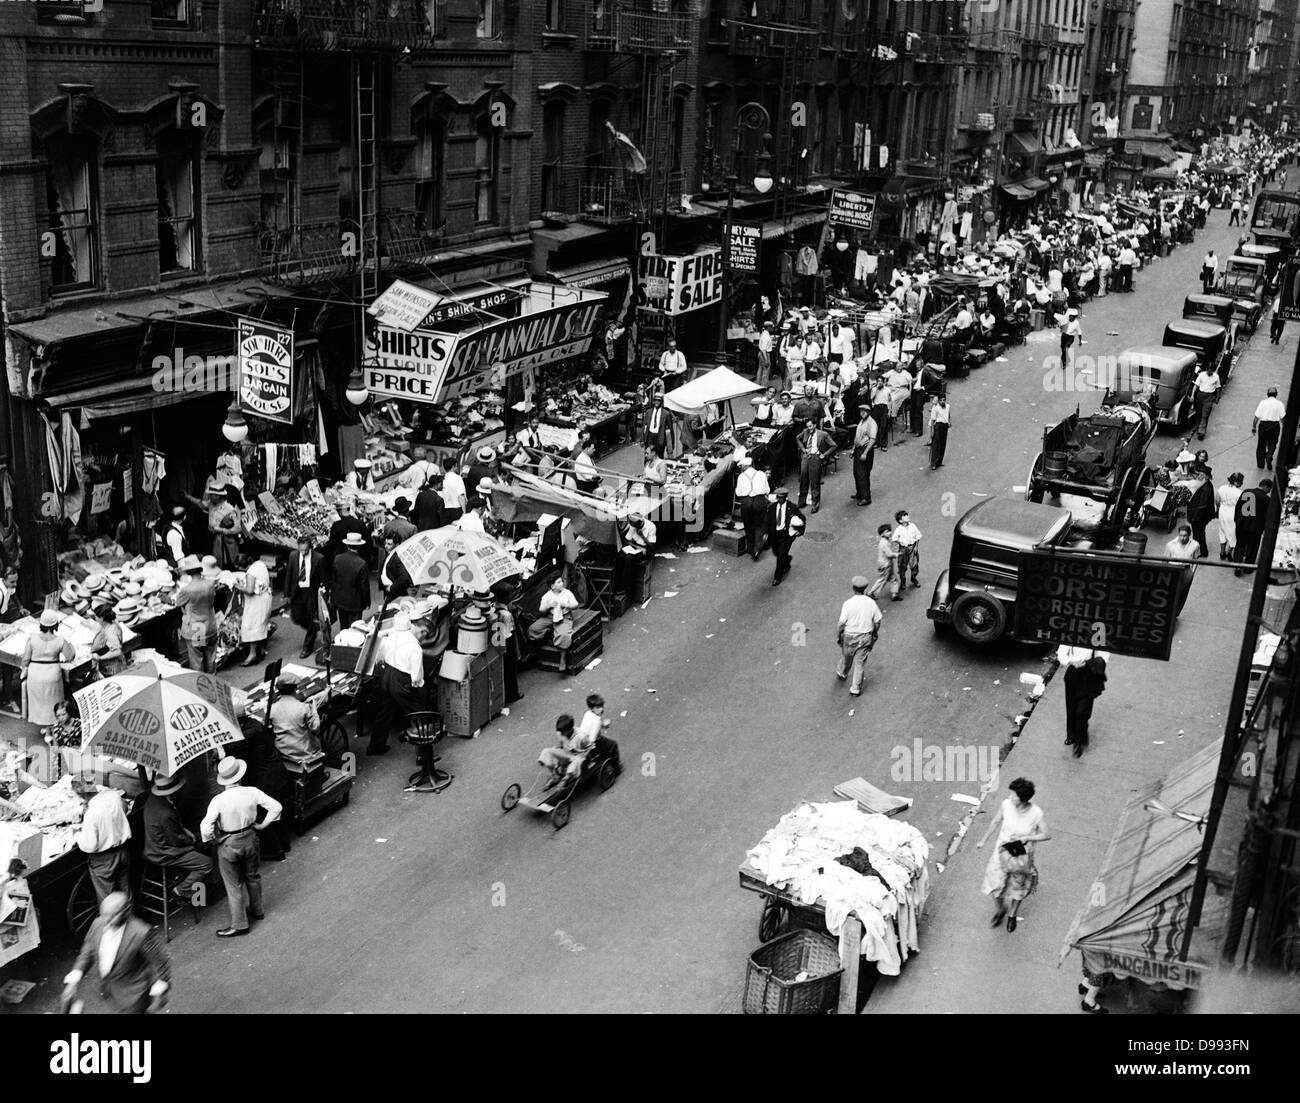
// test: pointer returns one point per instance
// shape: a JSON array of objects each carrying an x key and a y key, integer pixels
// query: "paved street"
[{"x": 726, "y": 706}]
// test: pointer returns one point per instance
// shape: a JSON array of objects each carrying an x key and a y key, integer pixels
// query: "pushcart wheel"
[
  {"x": 510, "y": 797},
  {"x": 560, "y": 815},
  {"x": 608, "y": 774},
  {"x": 773, "y": 921},
  {"x": 83, "y": 904},
  {"x": 334, "y": 742}
]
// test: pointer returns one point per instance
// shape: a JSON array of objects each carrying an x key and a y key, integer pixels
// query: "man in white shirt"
[
  {"x": 864, "y": 455},
  {"x": 554, "y": 619},
  {"x": 102, "y": 837},
  {"x": 1206, "y": 394},
  {"x": 1183, "y": 546},
  {"x": 783, "y": 410},
  {"x": 765, "y": 344},
  {"x": 1209, "y": 268},
  {"x": 859, "y": 628},
  {"x": 472, "y": 520},
  {"x": 232, "y": 821},
  {"x": 585, "y": 474},
  {"x": 1267, "y": 428},
  {"x": 841, "y": 344},
  {"x": 907, "y": 537},
  {"x": 963, "y": 322},
  {"x": 454, "y": 495},
  {"x": 672, "y": 365},
  {"x": 940, "y": 419},
  {"x": 752, "y": 489},
  {"x": 530, "y": 445},
  {"x": 1125, "y": 263},
  {"x": 125, "y": 953},
  {"x": 793, "y": 353},
  {"x": 399, "y": 672}
]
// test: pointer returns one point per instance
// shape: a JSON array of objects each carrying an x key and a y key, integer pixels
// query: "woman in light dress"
[
  {"x": 1225, "y": 503},
  {"x": 1012, "y": 875},
  {"x": 42, "y": 671},
  {"x": 255, "y": 619}
]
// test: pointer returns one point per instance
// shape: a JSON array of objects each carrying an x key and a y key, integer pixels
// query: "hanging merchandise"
[
  {"x": 155, "y": 470},
  {"x": 101, "y": 498}
]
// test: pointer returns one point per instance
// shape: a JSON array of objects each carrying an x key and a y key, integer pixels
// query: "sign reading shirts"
[
  {"x": 430, "y": 366},
  {"x": 742, "y": 245},
  {"x": 1120, "y": 605},
  {"x": 852, "y": 209},
  {"x": 264, "y": 353},
  {"x": 688, "y": 283}
]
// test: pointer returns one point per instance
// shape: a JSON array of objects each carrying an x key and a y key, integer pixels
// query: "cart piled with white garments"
[{"x": 834, "y": 876}]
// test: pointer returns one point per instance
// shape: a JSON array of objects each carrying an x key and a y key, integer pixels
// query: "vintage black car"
[
  {"x": 976, "y": 595},
  {"x": 1223, "y": 310},
  {"x": 1165, "y": 377},
  {"x": 1244, "y": 278},
  {"x": 1211, "y": 342}
]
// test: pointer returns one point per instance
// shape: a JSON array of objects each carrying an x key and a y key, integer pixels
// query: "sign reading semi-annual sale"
[{"x": 265, "y": 355}]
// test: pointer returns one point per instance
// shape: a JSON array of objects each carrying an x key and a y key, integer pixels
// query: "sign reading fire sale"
[
  {"x": 1124, "y": 606},
  {"x": 265, "y": 356},
  {"x": 687, "y": 283}
]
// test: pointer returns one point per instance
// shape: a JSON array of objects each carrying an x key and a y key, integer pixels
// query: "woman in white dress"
[
  {"x": 1225, "y": 503},
  {"x": 255, "y": 619},
  {"x": 1010, "y": 877},
  {"x": 42, "y": 671}
]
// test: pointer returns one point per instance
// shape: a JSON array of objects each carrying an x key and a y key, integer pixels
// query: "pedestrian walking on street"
[
  {"x": 1209, "y": 269},
  {"x": 1183, "y": 546},
  {"x": 1011, "y": 876},
  {"x": 1204, "y": 398},
  {"x": 1267, "y": 428},
  {"x": 859, "y": 628},
  {"x": 940, "y": 420},
  {"x": 1251, "y": 515},
  {"x": 1225, "y": 508},
  {"x": 1200, "y": 511},
  {"x": 1234, "y": 219},
  {"x": 886, "y": 565},
  {"x": 1277, "y": 323},
  {"x": 232, "y": 821},
  {"x": 864, "y": 456},
  {"x": 752, "y": 490},
  {"x": 907, "y": 537},
  {"x": 1084, "y": 683},
  {"x": 125, "y": 954},
  {"x": 784, "y": 525}
]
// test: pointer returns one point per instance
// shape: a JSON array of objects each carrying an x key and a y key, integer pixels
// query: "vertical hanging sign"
[{"x": 264, "y": 353}]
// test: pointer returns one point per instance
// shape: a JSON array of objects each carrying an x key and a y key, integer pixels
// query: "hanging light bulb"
[
  {"x": 235, "y": 428},
  {"x": 842, "y": 244},
  {"x": 763, "y": 173},
  {"x": 357, "y": 392}
]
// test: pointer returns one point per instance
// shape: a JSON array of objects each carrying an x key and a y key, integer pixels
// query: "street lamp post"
[
  {"x": 732, "y": 181},
  {"x": 751, "y": 118}
]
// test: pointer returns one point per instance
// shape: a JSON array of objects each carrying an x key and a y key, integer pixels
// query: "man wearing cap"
[
  {"x": 303, "y": 578},
  {"x": 398, "y": 524},
  {"x": 197, "y": 601},
  {"x": 864, "y": 455},
  {"x": 672, "y": 364},
  {"x": 752, "y": 490},
  {"x": 399, "y": 673},
  {"x": 784, "y": 524},
  {"x": 1267, "y": 428},
  {"x": 350, "y": 581},
  {"x": 859, "y": 628},
  {"x": 124, "y": 953},
  {"x": 294, "y": 723},
  {"x": 102, "y": 838},
  {"x": 178, "y": 544},
  {"x": 231, "y": 821},
  {"x": 167, "y": 842},
  {"x": 360, "y": 477}
]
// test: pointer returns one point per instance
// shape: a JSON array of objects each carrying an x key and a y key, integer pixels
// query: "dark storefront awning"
[
  {"x": 779, "y": 227},
  {"x": 594, "y": 274},
  {"x": 1017, "y": 192},
  {"x": 1027, "y": 144},
  {"x": 1155, "y": 151}
]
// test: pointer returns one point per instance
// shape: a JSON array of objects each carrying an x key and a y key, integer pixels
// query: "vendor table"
[
  {"x": 604, "y": 430},
  {"x": 699, "y": 504}
]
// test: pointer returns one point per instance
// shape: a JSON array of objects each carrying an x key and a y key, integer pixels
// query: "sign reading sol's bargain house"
[
  {"x": 265, "y": 355},
  {"x": 432, "y": 366}
]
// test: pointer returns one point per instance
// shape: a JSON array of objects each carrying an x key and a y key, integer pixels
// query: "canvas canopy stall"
[
  {"x": 1136, "y": 926},
  {"x": 711, "y": 389},
  {"x": 529, "y": 498}
]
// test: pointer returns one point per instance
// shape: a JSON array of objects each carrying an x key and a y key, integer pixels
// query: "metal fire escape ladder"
[
  {"x": 658, "y": 75},
  {"x": 364, "y": 70},
  {"x": 798, "y": 53},
  {"x": 285, "y": 77}
]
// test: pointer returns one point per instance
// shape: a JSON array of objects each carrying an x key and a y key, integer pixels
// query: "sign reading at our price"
[
  {"x": 265, "y": 356},
  {"x": 742, "y": 244},
  {"x": 1125, "y": 606},
  {"x": 852, "y": 209}
]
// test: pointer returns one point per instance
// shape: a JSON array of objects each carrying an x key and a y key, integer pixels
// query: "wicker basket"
[{"x": 770, "y": 985}]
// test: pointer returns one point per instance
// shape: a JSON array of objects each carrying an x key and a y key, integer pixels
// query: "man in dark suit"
[
  {"x": 347, "y": 523},
  {"x": 1200, "y": 512},
  {"x": 125, "y": 954},
  {"x": 816, "y": 446},
  {"x": 1251, "y": 515},
  {"x": 428, "y": 508},
  {"x": 350, "y": 585},
  {"x": 658, "y": 428},
  {"x": 784, "y": 524},
  {"x": 394, "y": 579},
  {"x": 167, "y": 842},
  {"x": 304, "y": 576}
]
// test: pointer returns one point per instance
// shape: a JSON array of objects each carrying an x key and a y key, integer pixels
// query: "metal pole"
[
  {"x": 726, "y": 272},
  {"x": 1232, "y": 728}
]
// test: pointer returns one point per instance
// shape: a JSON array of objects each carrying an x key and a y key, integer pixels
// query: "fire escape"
[
  {"x": 912, "y": 61},
  {"x": 288, "y": 38}
]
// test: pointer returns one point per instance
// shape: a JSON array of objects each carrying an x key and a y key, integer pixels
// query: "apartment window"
[
  {"x": 435, "y": 17},
  {"x": 554, "y": 15},
  {"x": 70, "y": 192},
  {"x": 552, "y": 155},
  {"x": 597, "y": 135},
  {"x": 170, "y": 13},
  {"x": 67, "y": 12},
  {"x": 486, "y": 148},
  {"x": 178, "y": 204},
  {"x": 432, "y": 165},
  {"x": 489, "y": 19}
]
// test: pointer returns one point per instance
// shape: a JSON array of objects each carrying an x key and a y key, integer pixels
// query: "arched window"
[
  {"x": 430, "y": 185},
  {"x": 71, "y": 194},
  {"x": 177, "y": 177},
  {"x": 486, "y": 160}
]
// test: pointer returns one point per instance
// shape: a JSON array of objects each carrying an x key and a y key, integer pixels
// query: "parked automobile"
[
  {"x": 1211, "y": 342},
  {"x": 1272, "y": 256},
  {"x": 1220, "y": 309},
  {"x": 976, "y": 594},
  {"x": 1163, "y": 376},
  {"x": 1244, "y": 278}
]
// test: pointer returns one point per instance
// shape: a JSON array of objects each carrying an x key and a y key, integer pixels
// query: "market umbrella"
[
  {"x": 451, "y": 557},
  {"x": 157, "y": 718}
]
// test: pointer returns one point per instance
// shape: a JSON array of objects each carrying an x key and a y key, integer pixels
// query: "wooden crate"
[
  {"x": 467, "y": 705},
  {"x": 588, "y": 642}
]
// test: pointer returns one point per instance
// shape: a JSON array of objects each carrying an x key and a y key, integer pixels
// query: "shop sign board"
[
  {"x": 679, "y": 285},
  {"x": 1289, "y": 292},
  {"x": 499, "y": 300},
  {"x": 1124, "y": 606},
  {"x": 429, "y": 366},
  {"x": 742, "y": 246},
  {"x": 404, "y": 306},
  {"x": 1147, "y": 968},
  {"x": 264, "y": 352},
  {"x": 852, "y": 209}
]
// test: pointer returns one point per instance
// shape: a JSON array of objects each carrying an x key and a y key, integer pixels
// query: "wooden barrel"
[
  {"x": 1054, "y": 465},
  {"x": 1134, "y": 542}
]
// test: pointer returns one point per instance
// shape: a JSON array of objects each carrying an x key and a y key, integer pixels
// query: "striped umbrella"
[{"x": 157, "y": 718}]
